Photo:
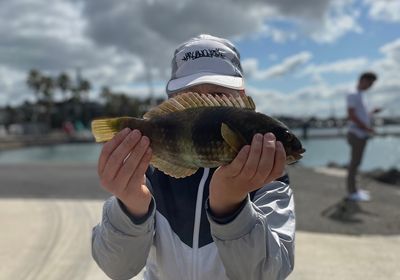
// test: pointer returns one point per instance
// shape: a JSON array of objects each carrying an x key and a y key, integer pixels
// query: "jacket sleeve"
[
  {"x": 119, "y": 245},
  {"x": 259, "y": 242}
]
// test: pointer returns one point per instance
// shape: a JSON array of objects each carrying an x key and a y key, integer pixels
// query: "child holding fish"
[{"x": 194, "y": 186}]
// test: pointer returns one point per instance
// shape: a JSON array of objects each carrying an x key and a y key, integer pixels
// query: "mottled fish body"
[{"x": 192, "y": 131}]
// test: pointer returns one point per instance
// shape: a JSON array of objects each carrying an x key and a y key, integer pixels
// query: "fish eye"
[{"x": 288, "y": 136}]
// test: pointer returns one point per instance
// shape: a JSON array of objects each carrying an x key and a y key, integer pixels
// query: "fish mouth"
[{"x": 296, "y": 156}]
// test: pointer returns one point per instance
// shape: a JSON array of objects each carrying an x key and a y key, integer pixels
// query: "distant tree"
[
  {"x": 119, "y": 104},
  {"x": 105, "y": 93},
  {"x": 81, "y": 90},
  {"x": 9, "y": 116},
  {"x": 27, "y": 109},
  {"x": 64, "y": 83},
  {"x": 34, "y": 81},
  {"x": 84, "y": 87},
  {"x": 47, "y": 90}
]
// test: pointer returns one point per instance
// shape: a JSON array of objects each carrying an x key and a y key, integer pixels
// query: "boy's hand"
[
  {"x": 253, "y": 167},
  {"x": 122, "y": 166}
]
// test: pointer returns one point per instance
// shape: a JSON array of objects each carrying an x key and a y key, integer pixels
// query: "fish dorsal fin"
[
  {"x": 234, "y": 139},
  {"x": 171, "y": 169},
  {"x": 250, "y": 103},
  {"x": 188, "y": 100}
]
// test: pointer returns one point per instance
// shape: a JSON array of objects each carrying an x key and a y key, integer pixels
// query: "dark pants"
[{"x": 357, "y": 147}]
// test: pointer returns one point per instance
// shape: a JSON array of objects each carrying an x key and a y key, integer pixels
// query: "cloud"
[
  {"x": 37, "y": 34},
  {"x": 325, "y": 21},
  {"x": 50, "y": 37},
  {"x": 152, "y": 29},
  {"x": 12, "y": 86},
  {"x": 392, "y": 50},
  {"x": 324, "y": 98},
  {"x": 277, "y": 35},
  {"x": 120, "y": 42},
  {"x": 78, "y": 30},
  {"x": 388, "y": 66},
  {"x": 343, "y": 66},
  {"x": 321, "y": 100},
  {"x": 384, "y": 10},
  {"x": 387, "y": 88},
  {"x": 340, "y": 20},
  {"x": 288, "y": 65}
]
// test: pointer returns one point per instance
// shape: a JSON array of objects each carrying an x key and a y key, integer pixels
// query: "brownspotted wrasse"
[{"x": 192, "y": 130}]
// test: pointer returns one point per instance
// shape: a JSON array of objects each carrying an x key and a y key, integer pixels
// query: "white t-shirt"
[{"x": 356, "y": 101}]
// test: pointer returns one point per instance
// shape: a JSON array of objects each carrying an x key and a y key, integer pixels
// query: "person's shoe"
[
  {"x": 360, "y": 196},
  {"x": 363, "y": 191}
]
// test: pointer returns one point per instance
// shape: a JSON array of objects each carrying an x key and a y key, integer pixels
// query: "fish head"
[{"x": 293, "y": 147}]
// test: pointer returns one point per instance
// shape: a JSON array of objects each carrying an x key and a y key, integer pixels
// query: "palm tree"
[
  {"x": 34, "y": 82},
  {"x": 105, "y": 92},
  {"x": 47, "y": 89},
  {"x": 84, "y": 87},
  {"x": 64, "y": 83}
]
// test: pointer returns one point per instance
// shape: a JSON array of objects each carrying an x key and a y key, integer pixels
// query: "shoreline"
[
  {"x": 54, "y": 138},
  {"x": 389, "y": 176}
]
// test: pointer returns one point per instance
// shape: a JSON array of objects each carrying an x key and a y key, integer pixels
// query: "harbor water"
[{"x": 381, "y": 152}]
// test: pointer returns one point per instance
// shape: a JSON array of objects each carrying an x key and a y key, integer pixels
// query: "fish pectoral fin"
[
  {"x": 235, "y": 140},
  {"x": 172, "y": 169}
]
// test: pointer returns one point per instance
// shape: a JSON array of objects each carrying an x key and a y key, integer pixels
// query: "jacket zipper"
[{"x": 196, "y": 228}]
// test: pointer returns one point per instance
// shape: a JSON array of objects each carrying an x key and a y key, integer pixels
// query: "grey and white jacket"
[{"x": 179, "y": 239}]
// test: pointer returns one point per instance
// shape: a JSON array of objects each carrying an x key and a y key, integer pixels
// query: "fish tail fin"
[{"x": 105, "y": 129}]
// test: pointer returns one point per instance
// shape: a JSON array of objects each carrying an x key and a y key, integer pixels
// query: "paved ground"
[
  {"x": 320, "y": 206},
  {"x": 47, "y": 213},
  {"x": 48, "y": 239},
  {"x": 332, "y": 257}
]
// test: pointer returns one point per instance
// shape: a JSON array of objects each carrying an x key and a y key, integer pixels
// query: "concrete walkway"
[
  {"x": 331, "y": 257},
  {"x": 50, "y": 239}
]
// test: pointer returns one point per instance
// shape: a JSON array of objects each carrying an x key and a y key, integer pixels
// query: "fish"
[{"x": 192, "y": 131}]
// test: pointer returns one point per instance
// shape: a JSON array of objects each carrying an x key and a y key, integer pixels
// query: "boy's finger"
[
  {"x": 250, "y": 167},
  {"x": 266, "y": 163},
  {"x": 118, "y": 156},
  {"x": 233, "y": 169},
  {"x": 140, "y": 171},
  {"x": 279, "y": 162},
  {"x": 131, "y": 164},
  {"x": 109, "y": 147}
]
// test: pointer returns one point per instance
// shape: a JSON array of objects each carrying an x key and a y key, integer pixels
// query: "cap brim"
[{"x": 205, "y": 78}]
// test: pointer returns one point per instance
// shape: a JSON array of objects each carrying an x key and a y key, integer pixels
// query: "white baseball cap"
[{"x": 206, "y": 59}]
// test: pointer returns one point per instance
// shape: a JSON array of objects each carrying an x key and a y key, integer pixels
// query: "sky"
[{"x": 300, "y": 57}]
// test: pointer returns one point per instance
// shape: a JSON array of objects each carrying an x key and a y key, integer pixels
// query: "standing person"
[
  {"x": 233, "y": 222},
  {"x": 360, "y": 129}
]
